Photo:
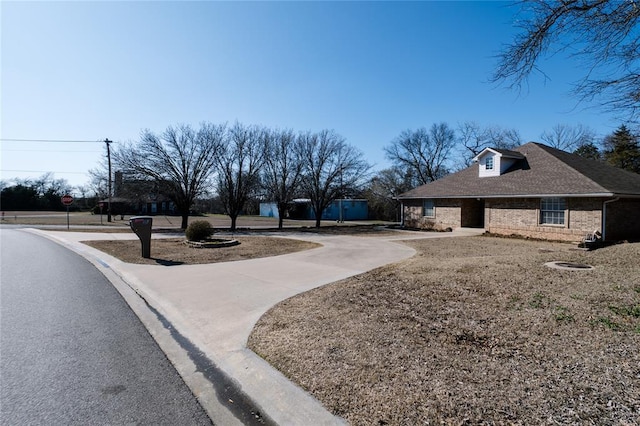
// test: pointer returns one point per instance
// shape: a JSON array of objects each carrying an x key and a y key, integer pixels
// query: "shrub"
[{"x": 199, "y": 230}]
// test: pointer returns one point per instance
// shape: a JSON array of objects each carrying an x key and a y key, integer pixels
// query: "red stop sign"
[{"x": 67, "y": 200}]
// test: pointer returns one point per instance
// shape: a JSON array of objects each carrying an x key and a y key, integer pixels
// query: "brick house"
[
  {"x": 134, "y": 196},
  {"x": 534, "y": 191}
]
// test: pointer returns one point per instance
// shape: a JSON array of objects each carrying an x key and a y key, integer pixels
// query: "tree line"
[
  {"x": 241, "y": 162},
  {"x": 42, "y": 193},
  {"x": 244, "y": 163}
]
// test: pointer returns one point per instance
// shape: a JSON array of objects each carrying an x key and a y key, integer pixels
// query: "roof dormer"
[{"x": 494, "y": 162}]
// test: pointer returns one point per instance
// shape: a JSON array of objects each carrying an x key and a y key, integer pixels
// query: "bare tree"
[
  {"x": 85, "y": 191},
  {"x": 603, "y": 35},
  {"x": 48, "y": 184},
  {"x": 423, "y": 153},
  {"x": 282, "y": 169},
  {"x": 99, "y": 180},
  {"x": 382, "y": 192},
  {"x": 330, "y": 168},
  {"x": 180, "y": 161},
  {"x": 568, "y": 138},
  {"x": 239, "y": 164},
  {"x": 475, "y": 138}
]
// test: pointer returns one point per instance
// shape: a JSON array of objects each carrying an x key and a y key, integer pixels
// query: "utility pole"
[
  {"x": 340, "y": 218},
  {"x": 108, "y": 142}
]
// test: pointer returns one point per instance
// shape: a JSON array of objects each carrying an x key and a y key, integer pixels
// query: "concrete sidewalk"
[{"x": 215, "y": 307}]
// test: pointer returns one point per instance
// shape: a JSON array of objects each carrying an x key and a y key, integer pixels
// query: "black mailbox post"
[{"x": 141, "y": 225}]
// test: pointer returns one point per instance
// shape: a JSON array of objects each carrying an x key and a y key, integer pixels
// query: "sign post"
[{"x": 67, "y": 200}]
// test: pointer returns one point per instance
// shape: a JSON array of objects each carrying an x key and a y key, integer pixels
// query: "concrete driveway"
[{"x": 215, "y": 307}]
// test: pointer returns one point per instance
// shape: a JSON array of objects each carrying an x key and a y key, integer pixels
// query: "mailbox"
[{"x": 141, "y": 225}]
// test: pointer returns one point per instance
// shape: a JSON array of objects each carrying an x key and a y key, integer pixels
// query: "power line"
[
  {"x": 47, "y": 140},
  {"x": 48, "y": 150},
  {"x": 42, "y": 171}
]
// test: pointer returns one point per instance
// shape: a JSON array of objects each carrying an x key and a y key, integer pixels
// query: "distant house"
[
  {"x": 352, "y": 209},
  {"x": 534, "y": 191},
  {"x": 138, "y": 197}
]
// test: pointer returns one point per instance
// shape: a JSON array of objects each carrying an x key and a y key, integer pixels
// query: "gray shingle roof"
[
  {"x": 508, "y": 153},
  {"x": 543, "y": 171}
]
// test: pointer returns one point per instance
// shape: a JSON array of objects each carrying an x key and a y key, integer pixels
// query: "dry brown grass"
[
  {"x": 85, "y": 219},
  {"x": 469, "y": 331},
  {"x": 174, "y": 251}
]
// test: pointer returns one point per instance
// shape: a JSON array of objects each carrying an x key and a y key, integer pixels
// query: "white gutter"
[{"x": 604, "y": 217}]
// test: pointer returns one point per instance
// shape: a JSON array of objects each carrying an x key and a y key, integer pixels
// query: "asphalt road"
[{"x": 71, "y": 350}]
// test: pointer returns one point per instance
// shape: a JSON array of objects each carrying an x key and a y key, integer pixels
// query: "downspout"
[
  {"x": 604, "y": 217},
  {"x": 401, "y": 213}
]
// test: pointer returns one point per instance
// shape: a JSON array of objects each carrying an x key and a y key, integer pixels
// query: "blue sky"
[{"x": 94, "y": 70}]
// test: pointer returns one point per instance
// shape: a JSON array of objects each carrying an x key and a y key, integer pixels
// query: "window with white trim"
[
  {"x": 488, "y": 163},
  {"x": 552, "y": 211},
  {"x": 428, "y": 208}
]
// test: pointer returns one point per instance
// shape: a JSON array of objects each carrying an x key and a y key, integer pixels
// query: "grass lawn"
[
  {"x": 470, "y": 330},
  {"x": 218, "y": 221}
]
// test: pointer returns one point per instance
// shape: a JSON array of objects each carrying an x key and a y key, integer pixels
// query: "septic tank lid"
[{"x": 568, "y": 266}]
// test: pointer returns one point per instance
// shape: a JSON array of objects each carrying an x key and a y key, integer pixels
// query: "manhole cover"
[{"x": 569, "y": 266}]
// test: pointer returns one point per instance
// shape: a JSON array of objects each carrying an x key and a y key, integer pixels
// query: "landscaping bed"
[
  {"x": 175, "y": 251},
  {"x": 468, "y": 331},
  {"x": 212, "y": 243}
]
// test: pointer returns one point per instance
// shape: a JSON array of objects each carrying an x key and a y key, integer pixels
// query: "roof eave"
[
  {"x": 502, "y": 153},
  {"x": 584, "y": 195}
]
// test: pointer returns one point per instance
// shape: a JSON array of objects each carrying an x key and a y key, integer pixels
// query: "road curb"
[{"x": 142, "y": 305}]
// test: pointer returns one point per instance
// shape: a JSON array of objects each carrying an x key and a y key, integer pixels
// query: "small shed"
[
  {"x": 269, "y": 210},
  {"x": 352, "y": 209}
]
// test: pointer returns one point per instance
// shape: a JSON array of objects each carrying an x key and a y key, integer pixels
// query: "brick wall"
[
  {"x": 521, "y": 217},
  {"x": 515, "y": 213},
  {"x": 585, "y": 214},
  {"x": 447, "y": 214}
]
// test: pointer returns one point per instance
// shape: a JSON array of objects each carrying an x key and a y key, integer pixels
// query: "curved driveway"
[{"x": 215, "y": 306}]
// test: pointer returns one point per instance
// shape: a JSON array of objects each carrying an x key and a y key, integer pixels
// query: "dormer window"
[
  {"x": 495, "y": 162},
  {"x": 488, "y": 163}
]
